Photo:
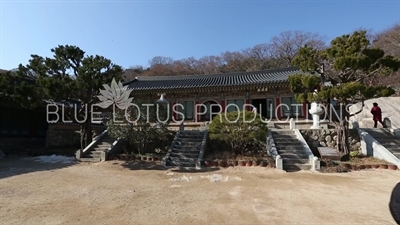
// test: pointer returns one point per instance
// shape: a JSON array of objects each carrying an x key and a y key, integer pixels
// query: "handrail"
[
  {"x": 202, "y": 150},
  {"x": 271, "y": 147},
  {"x": 96, "y": 139},
  {"x": 305, "y": 145},
  {"x": 164, "y": 159},
  {"x": 113, "y": 144}
]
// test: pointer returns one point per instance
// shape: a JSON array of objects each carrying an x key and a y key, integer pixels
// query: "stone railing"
[
  {"x": 371, "y": 147},
  {"x": 178, "y": 133},
  {"x": 273, "y": 152},
  {"x": 314, "y": 161},
  {"x": 271, "y": 148},
  {"x": 203, "y": 148},
  {"x": 79, "y": 153}
]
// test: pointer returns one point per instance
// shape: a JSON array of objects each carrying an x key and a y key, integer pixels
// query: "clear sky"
[{"x": 132, "y": 32}]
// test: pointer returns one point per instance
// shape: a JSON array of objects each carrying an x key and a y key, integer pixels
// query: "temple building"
[{"x": 267, "y": 90}]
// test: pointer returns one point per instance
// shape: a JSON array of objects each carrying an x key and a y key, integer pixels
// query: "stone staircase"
[
  {"x": 386, "y": 138},
  {"x": 294, "y": 156},
  {"x": 186, "y": 149},
  {"x": 94, "y": 153}
]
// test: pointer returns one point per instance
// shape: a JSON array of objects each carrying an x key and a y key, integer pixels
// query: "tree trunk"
[
  {"x": 342, "y": 142},
  {"x": 83, "y": 131},
  {"x": 343, "y": 139},
  {"x": 88, "y": 130}
]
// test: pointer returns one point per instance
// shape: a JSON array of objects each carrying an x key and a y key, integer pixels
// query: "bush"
[
  {"x": 147, "y": 134},
  {"x": 242, "y": 131}
]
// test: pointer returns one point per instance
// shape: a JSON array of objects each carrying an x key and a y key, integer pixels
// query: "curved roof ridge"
[
  {"x": 214, "y": 80},
  {"x": 197, "y": 76}
]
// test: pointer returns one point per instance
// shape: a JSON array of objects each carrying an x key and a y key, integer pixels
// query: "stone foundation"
[{"x": 328, "y": 138}]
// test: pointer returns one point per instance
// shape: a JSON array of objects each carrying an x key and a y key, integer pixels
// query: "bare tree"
[
  {"x": 160, "y": 60},
  {"x": 389, "y": 40},
  {"x": 286, "y": 45}
]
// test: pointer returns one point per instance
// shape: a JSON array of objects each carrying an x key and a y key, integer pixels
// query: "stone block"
[{"x": 279, "y": 162}]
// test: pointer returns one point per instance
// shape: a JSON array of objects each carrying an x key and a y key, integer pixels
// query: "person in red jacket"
[{"x": 377, "y": 115}]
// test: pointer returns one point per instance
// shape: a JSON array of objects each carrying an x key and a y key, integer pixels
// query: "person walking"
[{"x": 377, "y": 115}]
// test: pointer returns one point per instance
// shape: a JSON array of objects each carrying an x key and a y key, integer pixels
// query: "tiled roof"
[{"x": 213, "y": 80}]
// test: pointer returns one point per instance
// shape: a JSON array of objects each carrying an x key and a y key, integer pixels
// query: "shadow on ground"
[
  {"x": 18, "y": 165},
  {"x": 145, "y": 165}
]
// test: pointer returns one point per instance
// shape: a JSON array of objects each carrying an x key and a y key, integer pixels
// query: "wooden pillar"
[
  {"x": 305, "y": 113},
  {"x": 247, "y": 102},
  {"x": 278, "y": 110},
  {"x": 222, "y": 103},
  {"x": 247, "y": 96},
  {"x": 197, "y": 110},
  {"x": 174, "y": 116}
]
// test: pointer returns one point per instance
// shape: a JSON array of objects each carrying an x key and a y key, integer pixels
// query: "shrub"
[{"x": 240, "y": 130}]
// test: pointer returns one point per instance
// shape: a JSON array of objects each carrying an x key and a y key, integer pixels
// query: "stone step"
[
  {"x": 189, "y": 142},
  {"x": 286, "y": 149},
  {"x": 300, "y": 155},
  {"x": 292, "y": 151},
  {"x": 187, "y": 146},
  {"x": 178, "y": 146},
  {"x": 100, "y": 148},
  {"x": 94, "y": 152},
  {"x": 394, "y": 151},
  {"x": 290, "y": 145},
  {"x": 186, "y": 150},
  {"x": 295, "y": 167},
  {"x": 291, "y": 161},
  {"x": 103, "y": 145},
  {"x": 183, "y": 160},
  {"x": 192, "y": 135},
  {"x": 284, "y": 139},
  {"x": 283, "y": 132},
  {"x": 185, "y": 154},
  {"x": 190, "y": 139},
  {"x": 184, "y": 165},
  {"x": 397, "y": 154},
  {"x": 396, "y": 140},
  {"x": 390, "y": 145},
  {"x": 181, "y": 164},
  {"x": 90, "y": 159}
]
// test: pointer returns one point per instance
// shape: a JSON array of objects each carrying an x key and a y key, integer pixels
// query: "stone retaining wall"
[
  {"x": 67, "y": 135},
  {"x": 328, "y": 138}
]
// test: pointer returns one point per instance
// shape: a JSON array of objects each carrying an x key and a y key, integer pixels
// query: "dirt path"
[{"x": 113, "y": 193}]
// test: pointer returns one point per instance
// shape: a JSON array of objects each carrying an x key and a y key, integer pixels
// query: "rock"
[
  {"x": 314, "y": 137},
  {"x": 328, "y": 138},
  {"x": 321, "y": 143}
]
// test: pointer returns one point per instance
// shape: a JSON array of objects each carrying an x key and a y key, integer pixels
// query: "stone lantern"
[{"x": 316, "y": 111}]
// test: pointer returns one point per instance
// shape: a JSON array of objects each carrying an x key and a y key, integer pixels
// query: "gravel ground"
[{"x": 115, "y": 192}]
